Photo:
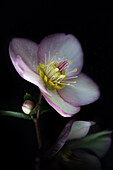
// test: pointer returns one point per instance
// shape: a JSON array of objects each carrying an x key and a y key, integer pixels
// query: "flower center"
[{"x": 54, "y": 74}]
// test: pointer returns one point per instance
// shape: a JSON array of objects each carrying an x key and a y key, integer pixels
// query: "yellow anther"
[
  {"x": 45, "y": 54},
  {"x": 57, "y": 87},
  {"x": 75, "y": 69},
  {"x": 70, "y": 62},
  {"x": 51, "y": 83},
  {"x": 45, "y": 78},
  {"x": 41, "y": 65},
  {"x": 74, "y": 82},
  {"x": 41, "y": 73},
  {"x": 38, "y": 68}
]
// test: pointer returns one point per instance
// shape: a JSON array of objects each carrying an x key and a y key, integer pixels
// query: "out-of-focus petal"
[
  {"x": 79, "y": 129},
  {"x": 85, "y": 91},
  {"x": 97, "y": 143},
  {"x": 60, "y": 141},
  {"x": 64, "y": 45},
  {"x": 63, "y": 108},
  {"x": 28, "y": 74},
  {"x": 26, "y": 49},
  {"x": 81, "y": 160}
]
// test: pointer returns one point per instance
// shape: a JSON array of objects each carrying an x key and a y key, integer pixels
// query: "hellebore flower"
[
  {"x": 78, "y": 148},
  {"x": 54, "y": 66}
]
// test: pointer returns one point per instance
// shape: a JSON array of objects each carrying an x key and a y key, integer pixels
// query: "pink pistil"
[
  {"x": 64, "y": 62},
  {"x": 62, "y": 66},
  {"x": 59, "y": 64},
  {"x": 63, "y": 70}
]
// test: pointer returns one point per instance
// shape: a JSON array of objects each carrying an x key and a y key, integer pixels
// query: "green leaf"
[
  {"x": 16, "y": 114},
  {"x": 98, "y": 143},
  {"x": 28, "y": 97}
]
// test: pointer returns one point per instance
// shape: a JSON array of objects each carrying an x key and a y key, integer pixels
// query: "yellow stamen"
[
  {"x": 54, "y": 56},
  {"x": 49, "y": 56},
  {"x": 53, "y": 74},
  {"x": 45, "y": 58},
  {"x": 45, "y": 78},
  {"x": 41, "y": 73},
  {"x": 54, "y": 77}
]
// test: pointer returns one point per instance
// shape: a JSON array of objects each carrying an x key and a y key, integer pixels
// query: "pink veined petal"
[
  {"x": 23, "y": 54},
  {"x": 28, "y": 74},
  {"x": 64, "y": 45},
  {"x": 26, "y": 49},
  {"x": 63, "y": 108},
  {"x": 85, "y": 91}
]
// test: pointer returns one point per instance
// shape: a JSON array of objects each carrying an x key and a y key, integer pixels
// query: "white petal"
[
  {"x": 26, "y": 49},
  {"x": 28, "y": 74},
  {"x": 62, "y": 44},
  {"x": 79, "y": 129},
  {"x": 84, "y": 92}
]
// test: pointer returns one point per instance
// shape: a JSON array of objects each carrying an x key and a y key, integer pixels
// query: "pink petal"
[
  {"x": 63, "y": 45},
  {"x": 26, "y": 49},
  {"x": 84, "y": 92},
  {"x": 63, "y": 108},
  {"x": 28, "y": 74}
]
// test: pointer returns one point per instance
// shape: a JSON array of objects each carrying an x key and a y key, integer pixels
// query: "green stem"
[{"x": 37, "y": 127}]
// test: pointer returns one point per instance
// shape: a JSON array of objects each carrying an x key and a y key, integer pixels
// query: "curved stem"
[{"x": 37, "y": 127}]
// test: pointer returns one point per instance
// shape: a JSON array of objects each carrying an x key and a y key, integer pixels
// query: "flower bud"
[{"x": 27, "y": 106}]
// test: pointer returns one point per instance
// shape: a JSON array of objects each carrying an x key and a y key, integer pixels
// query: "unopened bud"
[{"x": 27, "y": 106}]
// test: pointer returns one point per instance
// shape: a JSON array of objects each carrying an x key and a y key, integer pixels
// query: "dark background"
[{"x": 18, "y": 145}]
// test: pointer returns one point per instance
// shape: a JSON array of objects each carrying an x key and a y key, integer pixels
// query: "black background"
[{"x": 18, "y": 145}]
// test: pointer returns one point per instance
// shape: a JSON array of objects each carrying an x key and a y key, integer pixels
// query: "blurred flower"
[
  {"x": 77, "y": 148},
  {"x": 54, "y": 66},
  {"x": 27, "y": 106}
]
